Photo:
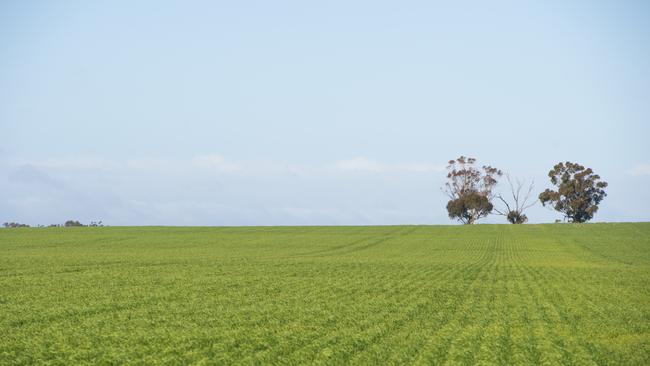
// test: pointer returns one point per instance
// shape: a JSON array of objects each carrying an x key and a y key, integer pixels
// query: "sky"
[{"x": 313, "y": 113}]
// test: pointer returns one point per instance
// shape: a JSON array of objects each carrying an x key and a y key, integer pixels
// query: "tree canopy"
[
  {"x": 579, "y": 191},
  {"x": 469, "y": 189}
]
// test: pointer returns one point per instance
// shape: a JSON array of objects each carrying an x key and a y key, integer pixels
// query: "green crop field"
[{"x": 485, "y": 294}]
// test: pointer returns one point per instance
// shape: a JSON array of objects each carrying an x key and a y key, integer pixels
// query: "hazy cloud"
[
  {"x": 216, "y": 162},
  {"x": 359, "y": 164},
  {"x": 421, "y": 167},
  {"x": 208, "y": 189},
  {"x": 363, "y": 164},
  {"x": 641, "y": 170},
  {"x": 147, "y": 163},
  {"x": 68, "y": 163},
  {"x": 30, "y": 175}
]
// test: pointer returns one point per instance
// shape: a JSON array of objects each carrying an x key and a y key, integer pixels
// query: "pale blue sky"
[{"x": 295, "y": 113}]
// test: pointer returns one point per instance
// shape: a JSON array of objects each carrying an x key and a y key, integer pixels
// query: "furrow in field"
[
  {"x": 585, "y": 310},
  {"x": 546, "y": 302},
  {"x": 439, "y": 340},
  {"x": 426, "y": 276},
  {"x": 360, "y": 327},
  {"x": 360, "y": 244},
  {"x": 472, "y": 324},
  {"x": 419, "y": 324}
]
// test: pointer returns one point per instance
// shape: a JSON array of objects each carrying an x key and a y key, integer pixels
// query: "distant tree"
[
  {"x": 96, "y": 224},
  {"x": 14, "y": 225},
  {"x": 72, "y": 223},
  {"x": 514, "y": 211},
  {"x": 579, "y": 191},
  {"x": 469, "y": 189}
]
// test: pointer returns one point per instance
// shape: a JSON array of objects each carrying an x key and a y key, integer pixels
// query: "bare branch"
[
  {"x": 502, "y": 212},
  {"x": 515, "y": 211}
]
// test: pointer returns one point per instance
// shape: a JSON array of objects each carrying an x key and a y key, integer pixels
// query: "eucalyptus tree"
[
  {"x": 579, "y": 191},
  {"x": 469, "y": 189}
]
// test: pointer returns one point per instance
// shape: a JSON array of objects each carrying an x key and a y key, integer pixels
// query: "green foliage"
[
  {"x": 72, "y": 223},
  {"x": 469, "y": 207},
  {"x": 516, "y": 217},
  {"x": 579, "y": 191},
  {"x": 426, "y": 295},
  {"x": 14, "y": 225},
  {"x": 469, "y": 189}
]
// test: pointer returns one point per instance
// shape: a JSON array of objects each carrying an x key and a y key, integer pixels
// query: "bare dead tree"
[{"x": 514, "y": 211}]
